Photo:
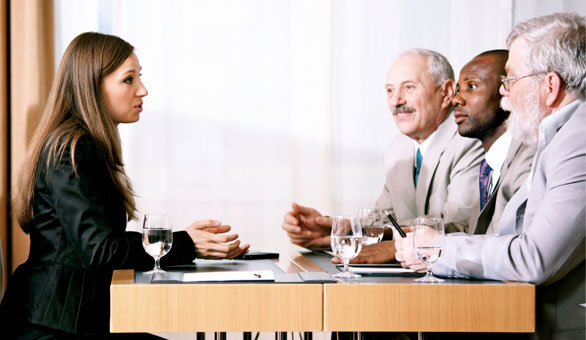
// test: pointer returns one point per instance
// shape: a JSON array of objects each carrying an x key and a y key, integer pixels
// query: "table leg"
[{"x": 200, "y": 336}]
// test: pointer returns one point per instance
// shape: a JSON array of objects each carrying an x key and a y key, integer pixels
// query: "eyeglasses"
[{"x": 505, "y": 81}]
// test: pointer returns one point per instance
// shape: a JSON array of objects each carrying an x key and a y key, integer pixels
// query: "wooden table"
[
  {"x": 391, "y": 304},
  {"x": 240, "y": 307},
  {"x": 414, "y": 307}
]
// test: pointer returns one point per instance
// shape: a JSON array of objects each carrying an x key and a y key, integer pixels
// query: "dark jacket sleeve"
[
  {"x": 182, "y": 251},
  {"x": 90, "y": 210}
]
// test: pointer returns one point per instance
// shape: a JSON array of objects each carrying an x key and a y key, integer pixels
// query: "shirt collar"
[
  {"x": 550, "y": 125},
  {"x": 496, "y": 155},
  {"x": 425, "y": 145}
]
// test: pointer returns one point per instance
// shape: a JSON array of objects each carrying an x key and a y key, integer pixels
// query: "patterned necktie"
[
  {"x": 484, "y": 180},
  {"x": 418, "y": 166}
]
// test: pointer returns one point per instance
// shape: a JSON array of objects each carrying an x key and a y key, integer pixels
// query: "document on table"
[
  {"x": 380, "y": 270},
  {"x": 373, "y": 265},
  {"x": 229, "y": 276}
]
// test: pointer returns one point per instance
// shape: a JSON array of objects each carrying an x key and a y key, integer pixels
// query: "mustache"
[{"x": 403, "y": 109}]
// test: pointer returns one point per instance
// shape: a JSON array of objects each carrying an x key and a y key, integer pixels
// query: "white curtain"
[{"x": 255, "y": 104}]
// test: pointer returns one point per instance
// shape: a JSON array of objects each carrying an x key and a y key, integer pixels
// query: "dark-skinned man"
[
  {"x": 478, "y": 115},
  {"x": 507, "y": 162}
]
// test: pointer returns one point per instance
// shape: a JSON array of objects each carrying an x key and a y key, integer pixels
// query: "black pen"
[{"x": 395, "y": 224}]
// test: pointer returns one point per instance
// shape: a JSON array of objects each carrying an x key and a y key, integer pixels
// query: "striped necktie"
[{"x": 484, "y": 180}]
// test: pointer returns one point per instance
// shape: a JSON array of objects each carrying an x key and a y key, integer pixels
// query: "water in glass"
[
  {"x": 346, "y": 241},
  {"x": 157, "y": 238},
  {"x": 428, "y": 244},
  {"x": 371, "y": 221}
]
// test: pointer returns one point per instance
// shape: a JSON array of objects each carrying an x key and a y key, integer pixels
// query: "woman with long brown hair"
[{"x": 74, "y": 199}]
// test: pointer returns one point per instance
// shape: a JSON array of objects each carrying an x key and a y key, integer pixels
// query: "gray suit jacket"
[
  {"x": 448, "y": 176},
  {"x": 514, "y": 174},
  {"x": 541, "y": 236}
]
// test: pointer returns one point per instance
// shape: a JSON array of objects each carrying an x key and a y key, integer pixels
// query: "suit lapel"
[
  {"x": 430, "y": 162},
  {"x": 485, "y": 216},
  {"x": 405, "y": 187},
  {"x": 513, "y": 151},
  {"x": 513, "y": 213}
]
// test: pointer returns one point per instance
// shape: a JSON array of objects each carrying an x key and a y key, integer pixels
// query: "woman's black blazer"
[{"x": 77, "y": 238}]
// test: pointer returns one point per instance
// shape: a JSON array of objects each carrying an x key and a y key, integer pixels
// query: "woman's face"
[{"x": 123, "y": 91}]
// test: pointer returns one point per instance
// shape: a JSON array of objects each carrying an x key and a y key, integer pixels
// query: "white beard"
[{"x": 523, "y": 125}]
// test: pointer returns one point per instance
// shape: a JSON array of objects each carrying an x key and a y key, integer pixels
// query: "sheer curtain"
[{"x": 255, "y": 104}]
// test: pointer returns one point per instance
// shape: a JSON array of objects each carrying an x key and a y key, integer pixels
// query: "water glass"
[
  {"x": 372, "y": 223},
  {"x": 428, "y": 244},
  {"x": 157, "y": 238},
  {"x": 346, "y": 241}
]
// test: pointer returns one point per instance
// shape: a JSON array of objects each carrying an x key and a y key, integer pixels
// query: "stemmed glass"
[
  {"x": 428, "y": 244},
  {"x": 346, "y": 242},
  {"x": 371, "y": 220},
  {"x": 157, "y": 238}
]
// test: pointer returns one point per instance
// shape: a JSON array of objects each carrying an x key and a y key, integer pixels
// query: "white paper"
[
  {"x": 229, "y": 276},
  {"x": 329, "y": 252},
  {"x": 380, "y": 270}
]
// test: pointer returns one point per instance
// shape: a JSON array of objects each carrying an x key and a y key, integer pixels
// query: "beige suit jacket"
[
  {"x": 542, "y": 232},
  {"x": 447, "y": 179},
  {"x": 514, "y": 173}
]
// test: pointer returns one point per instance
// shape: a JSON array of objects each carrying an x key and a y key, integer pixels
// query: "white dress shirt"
[
  {"x": 422, "y": 147},
  {"x": 495, "y": 157}
]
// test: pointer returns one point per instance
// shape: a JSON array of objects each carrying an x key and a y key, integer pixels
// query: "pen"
[{"x": 395, "y": 224}]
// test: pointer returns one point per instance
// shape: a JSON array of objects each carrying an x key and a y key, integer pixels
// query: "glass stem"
[
  {"x": 346, "y": 265},
  {"x": 158, "y": 263}
]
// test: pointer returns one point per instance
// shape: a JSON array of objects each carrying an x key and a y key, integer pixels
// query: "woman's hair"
[{"x": 76, "y": 108}]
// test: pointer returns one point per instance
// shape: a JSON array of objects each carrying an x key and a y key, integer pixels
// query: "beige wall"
[
  {"x": 3, "y": 142},
  {"x": 31, "y": 69}
]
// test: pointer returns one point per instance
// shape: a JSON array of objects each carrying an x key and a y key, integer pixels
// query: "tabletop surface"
[{"x": 376, "y": 303}]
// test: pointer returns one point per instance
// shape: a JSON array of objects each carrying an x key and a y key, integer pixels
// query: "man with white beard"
[{"x": 542, "y": 230}]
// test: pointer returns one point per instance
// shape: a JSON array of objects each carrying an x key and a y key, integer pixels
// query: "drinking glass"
[
  {"x": 346, "y": 242},
  {"x": 371, "y": 220},
  {"x": 157, "y": 238},
  {"x": 427, "y": 247}
]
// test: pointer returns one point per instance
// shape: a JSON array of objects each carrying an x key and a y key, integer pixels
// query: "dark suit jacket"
[{"x": 77, "y": 238}]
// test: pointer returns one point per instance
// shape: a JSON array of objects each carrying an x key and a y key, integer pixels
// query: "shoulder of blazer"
[
  {"x": 401, "y": 147},
  {"x": 445, "y": 133},
  {"x": 88, "y": 160},
  {"x": 449, "y": 140}
]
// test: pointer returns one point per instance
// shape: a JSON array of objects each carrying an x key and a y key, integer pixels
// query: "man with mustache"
[
  {"x": 430, "y": 168},
  {"x": 479, "y": 115},
  {"x": 542, "y": 230}
]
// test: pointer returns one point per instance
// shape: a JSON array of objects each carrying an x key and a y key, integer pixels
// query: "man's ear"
[
  {"x": 552, "y": 87},
  {"x": 448, "y": 89}
]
